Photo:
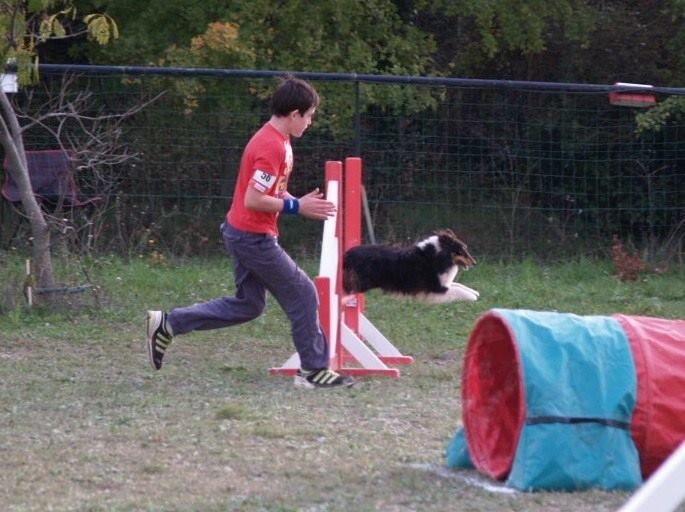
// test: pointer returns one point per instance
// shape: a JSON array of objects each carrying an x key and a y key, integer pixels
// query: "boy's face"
[{"x": 300, "y": 122}]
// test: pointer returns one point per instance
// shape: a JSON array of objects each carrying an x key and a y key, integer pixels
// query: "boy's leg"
[
  {"x": 265, "y": 261},
  {"x": 297, "y": 295},
  {"x": 248, "y": 303},
  {"x": 300, "y": 303}
]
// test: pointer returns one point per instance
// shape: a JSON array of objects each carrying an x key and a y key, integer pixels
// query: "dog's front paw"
[
  {"x": 466, "y": 288},
  {"x": 460, "y": 292},
  {"x": 455, "y": 292}
]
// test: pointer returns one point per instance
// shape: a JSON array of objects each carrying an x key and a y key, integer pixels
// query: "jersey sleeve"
[
  {"x": 266, "y": 168},
  {"x": 263, "y": 181}
]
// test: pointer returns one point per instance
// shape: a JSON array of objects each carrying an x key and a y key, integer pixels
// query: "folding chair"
[{"x": 52, "y": 180}]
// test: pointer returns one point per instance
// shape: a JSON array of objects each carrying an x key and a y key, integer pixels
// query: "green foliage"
[
  {"x": 482, "y": 31},
  {"x": 669, "y": 110},
  {"x": 25, "y": 25},
  {"x": 101, "y": 28},
  {"x": 152, "y": 28},
  {"x": 218, "y": 47},
  {"x": 342, "y": 36},
  {"x": 50, "y": 25},
  {"x": 569, "y": 40},
  {"x": 537, "y": 40},
  {"x": 338, "y": 36}
]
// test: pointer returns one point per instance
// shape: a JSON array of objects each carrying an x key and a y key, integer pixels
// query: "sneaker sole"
[{"x": 301, "y": 382}]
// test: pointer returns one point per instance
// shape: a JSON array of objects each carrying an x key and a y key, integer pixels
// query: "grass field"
[{"x": 86, "y": 425}]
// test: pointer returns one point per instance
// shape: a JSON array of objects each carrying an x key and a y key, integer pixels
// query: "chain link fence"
[{"x": 518, "y": 169}]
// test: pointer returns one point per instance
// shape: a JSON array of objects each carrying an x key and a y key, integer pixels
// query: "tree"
[
  {"x": 505, "y": 39},
  {"x": 565, "y": 41},
  {"x": 336, "y": 36},
  {"x": 25, "y": 26}
]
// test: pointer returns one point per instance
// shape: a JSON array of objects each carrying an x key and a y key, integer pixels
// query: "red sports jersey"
[{"x": 265, "y": 165}]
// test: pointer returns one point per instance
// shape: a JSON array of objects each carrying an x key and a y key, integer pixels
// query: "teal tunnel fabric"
[{"x": 548, "y": 400}]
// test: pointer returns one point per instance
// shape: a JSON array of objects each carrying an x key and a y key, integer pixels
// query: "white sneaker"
[
  {"x": 322, "y": 378},
  {"x": 159, "y": 337}
]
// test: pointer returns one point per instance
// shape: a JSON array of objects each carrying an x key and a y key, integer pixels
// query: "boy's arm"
[
  {"x": 261, "y": 202},
  {"x": 311, "y": 205}
]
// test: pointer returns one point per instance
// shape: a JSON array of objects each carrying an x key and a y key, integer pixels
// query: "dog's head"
[{"x": 457, "y": 249}]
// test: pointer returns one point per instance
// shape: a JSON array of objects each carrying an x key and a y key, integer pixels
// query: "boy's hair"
[{"x": 293, "y": 94}]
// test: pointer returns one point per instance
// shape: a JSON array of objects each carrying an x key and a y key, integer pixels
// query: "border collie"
[{"x": 424, "y": 271}]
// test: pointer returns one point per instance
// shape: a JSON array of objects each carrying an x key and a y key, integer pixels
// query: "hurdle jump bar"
[{"x": 356, "y": 346}]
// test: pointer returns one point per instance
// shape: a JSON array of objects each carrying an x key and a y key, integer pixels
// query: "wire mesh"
[{"x": 518, "y": 171}]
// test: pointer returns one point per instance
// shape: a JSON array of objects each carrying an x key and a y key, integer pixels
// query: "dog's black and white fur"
[{"x": 424, "y": 271}]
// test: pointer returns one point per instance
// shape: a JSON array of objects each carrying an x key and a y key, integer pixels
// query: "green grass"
[{"x": 86, "y": 425}]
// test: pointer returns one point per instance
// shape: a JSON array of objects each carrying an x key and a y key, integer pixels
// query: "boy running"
[{"x": 250, "y": 234}]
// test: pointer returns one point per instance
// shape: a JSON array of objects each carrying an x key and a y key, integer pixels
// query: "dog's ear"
[
  {"x": 447, "y": 236},
  {"x": 445, "y": 232}
]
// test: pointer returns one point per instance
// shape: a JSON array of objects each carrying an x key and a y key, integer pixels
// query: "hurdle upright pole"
[
  {"x": 352, "y": 200},
  {"x": 323, "y": 290},
  {"x": 333, "y": 171},
  {"x": 352, "y": 237}
]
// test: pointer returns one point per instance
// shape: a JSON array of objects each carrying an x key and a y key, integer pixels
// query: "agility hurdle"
[{"x": 356, "y": 346}]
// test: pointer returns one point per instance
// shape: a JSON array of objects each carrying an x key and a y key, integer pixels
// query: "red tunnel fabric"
[
  {"x": 658, "y": 424},
  {"x": 493, "y": 383}
]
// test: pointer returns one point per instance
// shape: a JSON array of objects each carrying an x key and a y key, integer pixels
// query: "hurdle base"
[
  {"x": 283, "y": 371},
  {"x": 359, "y": 372},
  {"x": 386, "y": 359},
  {"x": 397, "y": 359}
]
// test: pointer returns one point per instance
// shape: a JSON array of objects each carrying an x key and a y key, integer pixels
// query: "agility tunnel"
[{"x": 556, "y": 401}]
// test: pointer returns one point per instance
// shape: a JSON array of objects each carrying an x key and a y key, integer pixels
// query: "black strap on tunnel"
[{"x": 543, "y": 420}]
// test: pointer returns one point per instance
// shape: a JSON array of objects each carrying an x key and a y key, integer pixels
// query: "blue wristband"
[{"x": 291, "y": 206}]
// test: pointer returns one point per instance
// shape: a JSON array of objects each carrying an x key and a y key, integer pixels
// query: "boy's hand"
[{"x": 314, "y": 206}]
